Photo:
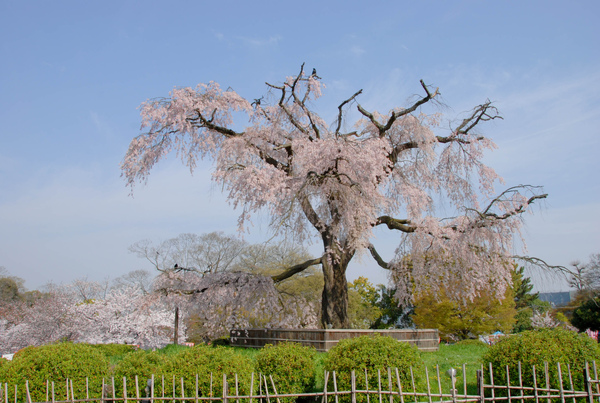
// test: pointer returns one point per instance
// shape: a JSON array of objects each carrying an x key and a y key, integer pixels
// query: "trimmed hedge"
[
  {"x": 535, "y": 347},
  {"x": 56, "y": 363},
  {"x": 371, "y": 353},
  {"x": 207, "y": 362},
  {"x": 291, "y": 365}
]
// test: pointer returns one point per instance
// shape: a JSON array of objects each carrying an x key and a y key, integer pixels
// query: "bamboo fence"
[{"x": 387, "y": 388}]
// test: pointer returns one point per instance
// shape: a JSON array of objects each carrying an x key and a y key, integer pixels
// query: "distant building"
[{"x": 556, "y": 298}]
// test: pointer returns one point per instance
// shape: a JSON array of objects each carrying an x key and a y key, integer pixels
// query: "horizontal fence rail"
[{"x": 383, "y": 387}]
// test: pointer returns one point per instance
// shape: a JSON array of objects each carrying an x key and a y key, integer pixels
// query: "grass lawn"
[{"x": 454, "y": 356}]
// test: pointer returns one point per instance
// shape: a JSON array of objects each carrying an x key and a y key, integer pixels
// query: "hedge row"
[{"x": 291, "y": 366}]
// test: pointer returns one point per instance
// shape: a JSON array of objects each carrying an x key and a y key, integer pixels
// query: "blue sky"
[{"x": 73, "y": 73}]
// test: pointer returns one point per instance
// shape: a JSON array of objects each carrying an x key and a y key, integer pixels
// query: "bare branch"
[
  {"x": 395, "y": 115},
  {"x": 289, "y": 272},
  {"x": 340, "y": 113}
]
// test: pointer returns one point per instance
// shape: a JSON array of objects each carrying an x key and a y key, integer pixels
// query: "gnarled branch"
[
  {"x": 403, "y": 225},
  {"x": 289, "y": 272},
  {"x": 382, "y": 263}
]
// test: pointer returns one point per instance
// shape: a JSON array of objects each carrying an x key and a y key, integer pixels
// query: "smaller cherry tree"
[{"x": 124, "y": 316}]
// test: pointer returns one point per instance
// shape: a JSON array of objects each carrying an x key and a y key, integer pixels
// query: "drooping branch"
[
  {"x": 534, "y": 261},
  {"x": 382, "y": 263},
  {"x": 289, "y": 272}
]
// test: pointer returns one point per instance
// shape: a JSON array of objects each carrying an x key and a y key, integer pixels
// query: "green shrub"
[
  {"x": 114, "y": 350},
  {"x": 56, "y": 363},
  {"x": 142, "y": 364},
  {"x": 291, "y": 365},
  {"x": 206, "y": 361},
  {"x": 536, "y": 347},
  {"x": 371, "y": 354}
]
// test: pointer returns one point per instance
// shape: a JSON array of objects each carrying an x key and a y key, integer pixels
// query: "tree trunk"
[{"x": 334, "y": 302}]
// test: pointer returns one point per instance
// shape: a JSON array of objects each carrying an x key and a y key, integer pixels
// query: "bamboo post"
[
  {"x": 535, "y": 388},
  {"x": 182, "y": 389},
  {"x": 173, "y": 385},
  {"x": 53, "y": 400},
  {"x": 390, "y": 387},
  {"x": 547, "y": 374},
  {"x": 353, "y": 386},
  {"x": 211, "y": 385},
  {"x": 237, "y": 392},
  {"x": 587, "y": 383},
  {"x": 251, "y": 386},
  {"x": 87, "y": 389},
  {"x": 560, "y": 383},
  {"x": 266, "y": 390},
  {"x": 439, "y": 382},
  {"x": 399, "y": 386},
  {"x": 379, "y": 386},
  {"x": 492, "y": 382},
  {"x": 196, "y": 394},
  {"x": 26, "y": 391},
  {"x": 520, "y": 381},
  {"x": 571, "y": 386},
  {"x": 224, "y": 388},
  {"x": 324, "y": 399},
  {"x": 47, "y": 390},
  {"x": 112, "y": 382},
  {"x": 428, "y": 386},
  {"x": 72, "y": 394},
  {"x": 152, "y": 388},
  {"x": 596, "y": 378},
  {"x": 508, "y": 385},
  {"x": 335, "y": 391},
  {"x": 274, "y": 388},
  {"x": 480, "y": 388},
  {"x": 464, "y": 372},
  {"x": 124, "y": 390},
  {"x": 137, "y": 390},
  {"x": 412, "y": 381},
  {"x": 162, "y": 386},
  {"x": 367, "y": 385}
]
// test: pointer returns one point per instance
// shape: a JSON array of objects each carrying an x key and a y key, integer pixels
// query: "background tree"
[
  {"x": 376, "y": 307},
  {"x": 363, "y": 300},
  {"x": 587, "y": 315},
  {"x": 459, "y": 320},
  {"x": 320, "y": 179},
  {"x": 213, "y": 252},
  {"x": 140, "y": 278},
  {"x": 527, "y": 303}
]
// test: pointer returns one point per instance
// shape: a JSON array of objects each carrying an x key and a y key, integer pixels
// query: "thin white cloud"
[{"x": 261, "y": 42}]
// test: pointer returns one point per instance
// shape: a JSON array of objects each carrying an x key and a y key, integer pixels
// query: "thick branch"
[
  {"x": 378, "y": 258},
  {"x": 211, "y": 126},
  {"x": 289, "y": 272},
  {"x": 395, "y": 223}
]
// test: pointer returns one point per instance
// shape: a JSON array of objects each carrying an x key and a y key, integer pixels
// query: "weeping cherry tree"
[{"x": 318, "y": 179}]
